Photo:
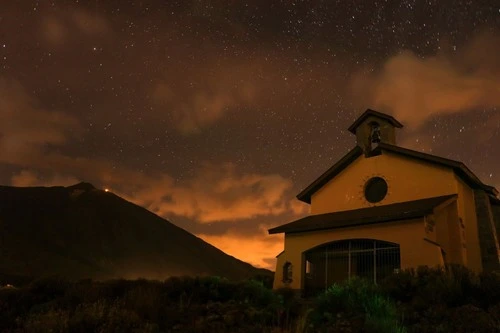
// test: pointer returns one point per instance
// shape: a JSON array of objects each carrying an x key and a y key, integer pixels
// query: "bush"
[
  {"x": 489, "y": 289},
  {"x": 401, "y": 287},
  {"x": 254, "y": 292},
  {"x": 104, "y": 316},
  {"x": 357, "y": 296},
  {"x": 469, "y": 318},
  {"x": 47, "y": 289},
  {"x": 51, "y": 321},
  {"x": 288, "y": 307},
  {"x": 430, "y": 300},
  {"x": 145, "y": 299},
  {"x": 431, "y": 297}
]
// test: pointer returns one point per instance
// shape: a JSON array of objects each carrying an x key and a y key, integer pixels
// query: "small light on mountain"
[{"x": 106, "y": 190}]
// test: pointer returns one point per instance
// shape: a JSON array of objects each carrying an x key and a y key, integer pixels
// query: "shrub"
[
  {"x": 52, "y": 321},
  {"x": 145, "y": 299},
  {"x": 469, "y": 318},
  {"x": 266, "y": 279},
  {"x": 113, "y": 289},
  {"x": 288, "y": 307},
  {"x": 104, "y": 316},
  {"x": 381, "y": 315},
  {"x": 431, "y": 297},
  {"x": 452, "y": 286},
  {"x": 489, "y": 289},
  {"x": 400, "y": 287},
  {"x": 431, "y": 300},
  {"x": 349, "y": 296},
  {"x": 254, "y": 292},
  {"x": 46, "y": 289},
  {"x": 357, "y": 296}
]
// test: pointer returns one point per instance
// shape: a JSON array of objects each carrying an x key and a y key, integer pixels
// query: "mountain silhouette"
[{"x": 82, "y": 232}]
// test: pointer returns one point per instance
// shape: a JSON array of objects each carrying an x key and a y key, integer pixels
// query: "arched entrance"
[{"x": 340, "y": 260}]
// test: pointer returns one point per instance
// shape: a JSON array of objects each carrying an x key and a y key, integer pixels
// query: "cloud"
[
  {"x": 208, "y": 91},
  {"x": 299, "y": 208},
  {"x": 259, "y": 249},
  {"x": 30, "y": 136},
  {"x": 57, "y": 27},
  {"x": 31, "y": 178},
  {"x": 416, "y": 89},
  {"x": 53, "y": 30},
  {"x": 490, "y": 128},
  {"x": 90, "y": 23},
  {"x": 26, "y": 129},
  {"x": 218, "y": 193},
  {"x": 194, "y": 104}
]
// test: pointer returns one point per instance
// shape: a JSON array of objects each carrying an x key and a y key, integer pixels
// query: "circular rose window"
[{"x": 375, "y": 189}]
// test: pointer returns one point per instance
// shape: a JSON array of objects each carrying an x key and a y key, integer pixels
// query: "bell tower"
[{"x": 373, "y": 127}]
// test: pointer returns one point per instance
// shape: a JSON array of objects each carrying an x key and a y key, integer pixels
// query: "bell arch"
[{"x": 340, "y": 260}]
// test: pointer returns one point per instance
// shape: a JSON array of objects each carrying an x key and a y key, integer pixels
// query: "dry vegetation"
[{"x": 426, "y": 300}]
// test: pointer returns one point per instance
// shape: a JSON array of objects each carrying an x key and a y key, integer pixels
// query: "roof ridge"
[
  {"x": 347, "y": 159},
  {"x": 375, "y": 113},
  {"x": 459, "y": 168},
  {"x": 443, "y": 160},
  {"x": 382, "y": 144}
]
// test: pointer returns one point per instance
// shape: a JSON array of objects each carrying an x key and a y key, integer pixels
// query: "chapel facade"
[{"x": 382, "y": 208}]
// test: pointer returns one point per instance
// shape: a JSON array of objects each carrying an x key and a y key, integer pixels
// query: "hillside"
[{"x": 82, "y": 232}]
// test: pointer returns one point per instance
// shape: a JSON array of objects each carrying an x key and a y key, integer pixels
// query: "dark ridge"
[
  {"x": 82, "y": 186},
  {"x": 57, "y": 231}
]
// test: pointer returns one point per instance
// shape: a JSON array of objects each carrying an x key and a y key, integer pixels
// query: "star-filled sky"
[{"x": 215, "y": 114}]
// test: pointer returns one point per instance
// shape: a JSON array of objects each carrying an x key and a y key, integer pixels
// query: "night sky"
[{"x": 215, "y": 114}]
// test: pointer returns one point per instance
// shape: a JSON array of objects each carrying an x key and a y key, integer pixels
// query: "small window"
[
  {"x": 375, "y": 189},
  {"x": 287, "y": 272}
]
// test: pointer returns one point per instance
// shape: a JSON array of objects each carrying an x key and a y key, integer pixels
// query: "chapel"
[{"x": 382, "y": 208}]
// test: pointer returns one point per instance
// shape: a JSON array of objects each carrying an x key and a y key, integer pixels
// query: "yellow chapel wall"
[
  {"x": 407, "y": 178},
  {"x": 467, "y": 212},
  {"x": 414, "y": 250},
  {"x": 448, "y": 233},
  {"x": 278, "y": 274}
]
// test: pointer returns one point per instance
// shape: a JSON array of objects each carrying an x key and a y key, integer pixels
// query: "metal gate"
[{"x": 338, "y": 261}]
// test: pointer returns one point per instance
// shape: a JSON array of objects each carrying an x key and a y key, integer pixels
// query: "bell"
[{"x": 376, "y": 135}]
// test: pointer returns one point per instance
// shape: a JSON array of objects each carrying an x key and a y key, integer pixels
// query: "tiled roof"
[
  {"x": 377, "y": 114},
  {"x": 379, "y": 214}
]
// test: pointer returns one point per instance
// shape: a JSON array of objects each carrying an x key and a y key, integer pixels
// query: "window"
[
  {"x": 287, "y": 272},
  {"x": 375, "y": 189},
  {"x": 341, "y": 260},
  {"x": 308, "y": 267}
]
